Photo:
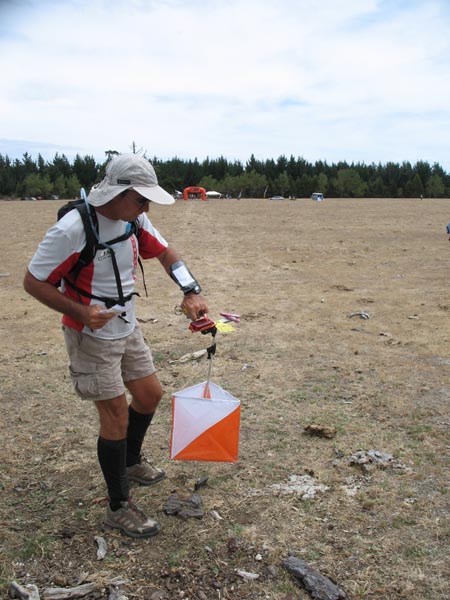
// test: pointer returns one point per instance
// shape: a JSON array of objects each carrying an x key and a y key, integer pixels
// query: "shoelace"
[
  {"x": 129, "y": 504},
  {"x": 136, "y": 509}
]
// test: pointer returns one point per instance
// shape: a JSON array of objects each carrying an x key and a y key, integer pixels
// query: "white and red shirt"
[{"x": 61, "y": 247}]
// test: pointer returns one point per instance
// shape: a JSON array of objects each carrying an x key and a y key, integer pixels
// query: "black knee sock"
[
  {"x": 112, "y": 456},
  {"x": 137, "y": 428}
]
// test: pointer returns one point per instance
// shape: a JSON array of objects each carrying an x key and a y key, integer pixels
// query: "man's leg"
[
  {"x": 146, "y": 394},
  {"x": 122, "y": 513},
  {"x": 96, "y": 372},
  {"x": 112, "y": 447}
]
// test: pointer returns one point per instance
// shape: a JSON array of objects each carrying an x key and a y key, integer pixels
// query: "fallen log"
[{"x": 66, "y": 593}]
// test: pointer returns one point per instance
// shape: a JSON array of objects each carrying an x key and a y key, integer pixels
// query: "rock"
[
  {"x": 233, "y": 544},
  {"x": 320, "y": 431},
  {"x": 215, "y": 515},
  {"x": 319, "y": 586},
  {"x": 102, "y": 547},
  {"x": 158, "y": 595},
  {"x": 246, "y": 575},
  {"x": 304, "y": 486},
  {"x": 23, "y": 592},
  {"x": 368, "y": 460},
  {"x": 115, "y": 594},
  {"x": 201, "y": 482},
  {"x": 217, "y": 585},
  {"x": 154, "y": 594},
  {"x": 272, "y": 571},
  {"x": 184, "y": 506},
  {"x": 59, "y": 580}
]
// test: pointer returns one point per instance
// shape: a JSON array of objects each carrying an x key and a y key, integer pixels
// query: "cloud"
[
  {"x": 335, "y": 80},
  {"x": 17, "y": 148}
]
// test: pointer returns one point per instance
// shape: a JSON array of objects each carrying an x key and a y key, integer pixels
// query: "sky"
[{"x": 336, "y": 80}]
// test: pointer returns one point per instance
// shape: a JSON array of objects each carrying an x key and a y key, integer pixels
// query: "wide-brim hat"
[{"x": 129, "y": 172}]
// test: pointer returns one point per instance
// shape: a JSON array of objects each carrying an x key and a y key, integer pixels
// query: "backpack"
[{"x": 93, "y": 243}]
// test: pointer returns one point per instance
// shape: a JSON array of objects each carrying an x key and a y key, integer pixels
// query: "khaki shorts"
[{"x": 99, "y": 368}]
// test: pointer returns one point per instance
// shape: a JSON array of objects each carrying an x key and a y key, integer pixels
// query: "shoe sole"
[
  {"x": 146, "y": 482},
  {"x": 152, "y": 533}
]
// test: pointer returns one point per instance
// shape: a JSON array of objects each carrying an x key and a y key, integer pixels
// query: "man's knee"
[
  {"x": 146, "y": 393},
  {"x": 113, "y": 415},
  {"x": 157, "y": 392},
  {"x": 147, "y": 403}
]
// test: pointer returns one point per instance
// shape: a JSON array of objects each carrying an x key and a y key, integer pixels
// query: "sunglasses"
[{"x": 141, "y": 201}]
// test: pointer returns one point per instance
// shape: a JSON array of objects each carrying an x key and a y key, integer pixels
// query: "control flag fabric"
[{"x": 205, "y": 424}]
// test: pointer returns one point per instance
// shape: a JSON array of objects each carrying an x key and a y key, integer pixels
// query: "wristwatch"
[{"x": 195, "y": 289}]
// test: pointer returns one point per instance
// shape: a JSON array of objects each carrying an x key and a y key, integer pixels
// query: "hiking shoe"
[
  {"x": 131, "y": 520},
  {"x": 145, "y": 474}
]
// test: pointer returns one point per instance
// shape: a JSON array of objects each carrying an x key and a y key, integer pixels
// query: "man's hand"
[
  {"x": 96, "y": 316},
  {"x": 195, "y": 306}
]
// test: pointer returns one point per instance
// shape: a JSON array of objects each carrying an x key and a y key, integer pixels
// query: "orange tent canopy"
[{"x": 194, "y": 191}]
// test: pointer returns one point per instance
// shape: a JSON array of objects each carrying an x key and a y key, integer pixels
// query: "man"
[{"x": 103, "y": 340}]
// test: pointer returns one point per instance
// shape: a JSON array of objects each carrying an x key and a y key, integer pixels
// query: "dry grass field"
[{"x": 295, "y": 271}]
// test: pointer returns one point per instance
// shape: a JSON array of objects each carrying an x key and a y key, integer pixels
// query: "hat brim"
[
  {"x": 155, "y": 194},
  {"x": 101, "y": 195}
]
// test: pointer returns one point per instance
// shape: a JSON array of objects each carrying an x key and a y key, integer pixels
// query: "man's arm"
[
  {"x": 193, "y": 304},
  {"x": 48, "y": 294}
]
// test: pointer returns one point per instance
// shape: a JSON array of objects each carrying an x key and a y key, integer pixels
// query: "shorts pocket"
[{"x": 85, "y": 379}]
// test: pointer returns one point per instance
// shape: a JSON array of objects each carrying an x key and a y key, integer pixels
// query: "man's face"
[{"x": 127, "y": 206}]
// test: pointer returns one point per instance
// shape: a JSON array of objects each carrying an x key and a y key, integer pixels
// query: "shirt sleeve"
[
  {"x": 59, "y": 250},
  {"x": 151, "y": 242}
]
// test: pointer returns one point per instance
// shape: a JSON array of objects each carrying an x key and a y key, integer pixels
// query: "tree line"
[{"x": 288, "y": 177}]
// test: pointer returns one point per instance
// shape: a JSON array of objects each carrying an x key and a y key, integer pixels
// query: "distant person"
[{"x": 104, "y": 342}]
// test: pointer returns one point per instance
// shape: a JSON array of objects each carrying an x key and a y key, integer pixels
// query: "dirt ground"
[{"x": 377, "y": 383}]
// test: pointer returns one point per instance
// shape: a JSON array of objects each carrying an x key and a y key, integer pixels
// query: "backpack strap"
[
  {"x": 108, "y": 302},
  {"x": 132, "y": 229},
  {"x": 90, "y": 248},
  {"x": 89, "y": 219}
]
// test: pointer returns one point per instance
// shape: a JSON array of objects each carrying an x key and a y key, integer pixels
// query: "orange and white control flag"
[{"x": 205, "y": 424}]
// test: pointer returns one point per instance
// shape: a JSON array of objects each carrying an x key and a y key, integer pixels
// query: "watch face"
[{"x": 195, "y": 290}]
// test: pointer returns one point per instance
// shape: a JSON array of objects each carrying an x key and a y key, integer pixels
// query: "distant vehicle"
[
  {"x": 277, "y": 198},
  {"x": 317, "y": 196}
]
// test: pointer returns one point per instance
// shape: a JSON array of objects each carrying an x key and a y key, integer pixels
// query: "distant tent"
[
  {"x": 317, "y": 196},
  {"x": 194, "y": 192}
]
